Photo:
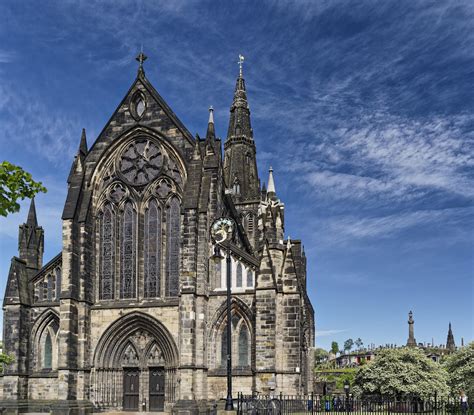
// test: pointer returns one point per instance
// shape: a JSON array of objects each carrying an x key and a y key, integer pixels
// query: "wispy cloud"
[{"x": 329, "y": 332}]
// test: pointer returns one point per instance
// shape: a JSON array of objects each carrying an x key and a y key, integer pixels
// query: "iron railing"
[{"x": 319, "y": 404}]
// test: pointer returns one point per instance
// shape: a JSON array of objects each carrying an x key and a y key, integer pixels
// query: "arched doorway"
[{"x": 135, "y": 365}]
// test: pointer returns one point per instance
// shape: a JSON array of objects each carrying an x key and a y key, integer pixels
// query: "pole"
[{"x": 229, "y": 406}]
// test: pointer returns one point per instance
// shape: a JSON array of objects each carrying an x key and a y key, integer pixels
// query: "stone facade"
[{"x": 132, "y": 313}]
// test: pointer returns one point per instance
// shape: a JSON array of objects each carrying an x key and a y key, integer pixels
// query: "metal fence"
[{"x": 318, "y": 404}]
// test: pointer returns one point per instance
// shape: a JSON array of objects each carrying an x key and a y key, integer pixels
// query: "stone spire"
[
  {"x": 450, "y": 345},
  {"x": 239, "y": 123},
  {"x": 240, "y": 164},
  {"x": 411, "y": 342},
  {"x": 32, "y": 220}
]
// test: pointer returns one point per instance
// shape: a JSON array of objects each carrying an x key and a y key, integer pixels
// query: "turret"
[{"x": 31, "y": 242}]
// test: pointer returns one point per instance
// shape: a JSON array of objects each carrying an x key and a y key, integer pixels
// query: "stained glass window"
[
  {"x": 239, "y": 275},
  {"x": 152, "y": 250},
  {"x": 107, "y": 269},
  {"x": 172, "y": 252},
  {"x": 127, "y": 246},
  {"x": 243, "y": 346},
  {"x": 48, "y": 353}
]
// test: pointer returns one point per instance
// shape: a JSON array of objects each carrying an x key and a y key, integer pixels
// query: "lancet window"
[
  {"x": 243, "y": 346},
  {"x": 128, "y": 253},
  {"x": 107, "y": 250},
  {"x": 173, "y": 244},
  {"x": 239, "y": 275},
  {"x": 48, "y": 353},
  {"x": 152, "y": 250}
]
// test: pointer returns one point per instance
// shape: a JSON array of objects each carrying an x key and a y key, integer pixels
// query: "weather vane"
[
  {"x": 141, "y": 57},
  {"x": 241, "y": 63}
]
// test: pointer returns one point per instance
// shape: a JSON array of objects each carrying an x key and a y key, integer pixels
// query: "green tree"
[
  {"x": 15, "y": 184},
  {"x": 334, "y": 348},
  {"x": 320, "y": 355},
  {"x": 348, "y": 344},
  {"x": 359, "y": 343},
  {"x": 460, "y": 368},
  {"x": 401, "y": 373}
]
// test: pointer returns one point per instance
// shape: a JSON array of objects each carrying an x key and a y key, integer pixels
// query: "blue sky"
[{"x": 364, "y": 109}]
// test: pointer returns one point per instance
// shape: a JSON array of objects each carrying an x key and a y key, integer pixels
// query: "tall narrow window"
[
  {"x": 58, "y": 283},
  {"x": 224, "y": 347},
  {"x": 239, "y": 275},
  {"x": 172, "y": 251},
  {"x": 250, "y": 225},
  {"x": 249, "y": 278},
  {"x": 243, "y": 346},
  {"x": 218, "y": 276},
  {"x": 152, "y": 250},
  {"x": 107, "y": 250},
  {"x": 50, "y": 288},
  {"x": 128, "y": 271},
  {"x": 48, "y": 353}
]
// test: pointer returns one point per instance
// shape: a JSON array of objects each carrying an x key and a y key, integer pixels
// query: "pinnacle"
[
  {"x": 271, "y": 182},
  {"x": 83, "y": 144}
]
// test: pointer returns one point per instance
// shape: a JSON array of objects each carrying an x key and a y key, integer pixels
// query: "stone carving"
[
  {"x": 141, "y": 339},
  {"x": 155, "y": 357},
  {"x": 130, "y": 357}
]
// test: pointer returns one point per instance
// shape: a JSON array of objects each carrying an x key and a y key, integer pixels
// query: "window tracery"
[
  {"x": 128, "y": 252},
  {"x": 152, "y": 250}
]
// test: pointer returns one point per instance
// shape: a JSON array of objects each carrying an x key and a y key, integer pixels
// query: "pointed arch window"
[
  {"x": 243, "y": 346},
  {"x": 48, "y": 353},
  {"x": 224, "y": 347},
  {"x": 128, "y": 253},
  {"x": 249, "y": 278},
  {"x": 173, "y": 243},
  {"x": 239, "y": 275},
  {"x": 152, "y": 250},
  {"x": 107, "y": 253}
]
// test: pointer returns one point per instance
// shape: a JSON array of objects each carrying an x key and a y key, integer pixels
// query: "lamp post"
[
  {"x": 222, "y": 231},
  {"x": 347, "y": 389}
]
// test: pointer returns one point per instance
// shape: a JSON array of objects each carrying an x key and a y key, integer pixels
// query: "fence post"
[{"x": 312, "y": 403}]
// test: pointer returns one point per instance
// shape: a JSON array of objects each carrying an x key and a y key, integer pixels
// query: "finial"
[
  {"x": 211, "y": 115},
  {"x": 241, "y": 64},
  {"x": 288, "y": 243},
  {"x": 141, "y": 57}
]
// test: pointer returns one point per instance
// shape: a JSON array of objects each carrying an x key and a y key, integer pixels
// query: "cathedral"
[{"x": 131, "y": 315}]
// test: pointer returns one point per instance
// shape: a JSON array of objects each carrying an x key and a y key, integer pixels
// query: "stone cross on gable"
[{"x": 141, "y": 57}]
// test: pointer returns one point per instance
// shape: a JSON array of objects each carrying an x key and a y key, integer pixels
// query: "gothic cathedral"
[{"x": 131, "y": 315}]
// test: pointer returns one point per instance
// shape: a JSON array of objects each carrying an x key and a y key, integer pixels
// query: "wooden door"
[
  {"x": 157, "y": 389},
  {"x": 131, "y": 388}
]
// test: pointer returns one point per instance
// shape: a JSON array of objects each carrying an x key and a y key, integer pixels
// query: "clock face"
[
  {"x": 141, "y": 162},
  {"x": 222, "y": 229}
]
